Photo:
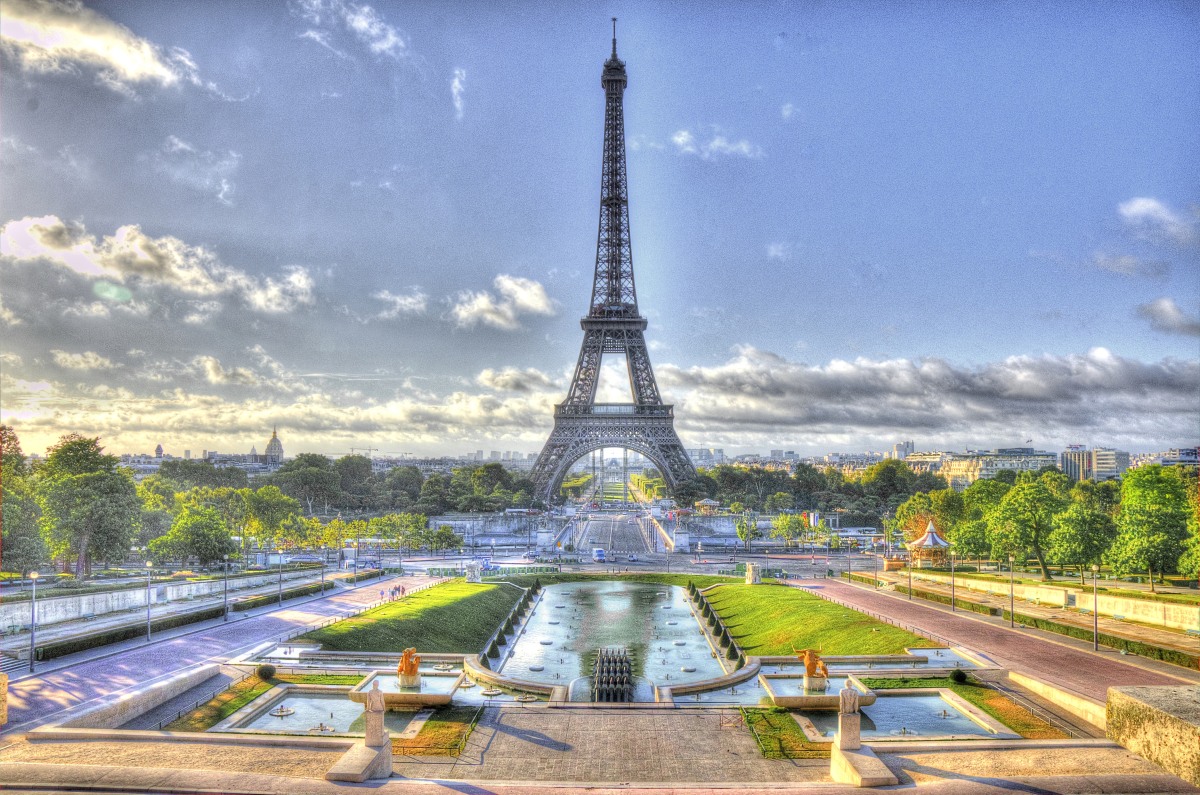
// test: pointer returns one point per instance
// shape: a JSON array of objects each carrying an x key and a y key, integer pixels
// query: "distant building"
[
  {"x": 158, "y": 451},
  {"x": 902, "y": 450},
  {"x": 1109, "y": 464},
  {"x": 1176, "y": 456},
  {"x": 274, "y": 453},
  {"x": 963, "y": 469},
  {"x": 1076, "y": 462}
]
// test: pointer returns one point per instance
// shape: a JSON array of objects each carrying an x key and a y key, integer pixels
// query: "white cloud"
[
  {"x": 322, "y": 38},
  {"x": 88, "y": 360},
  {"x": 510, "y": 379},
  {"x": 457, "y": 86},
  {"x": 517, "y": 297},
  {"x": 207, "y": 172},
  {"x": 1153, "y": 220},
  {"x": 64, "y": 36},
  {"x": 131, "y": 255},
  {"x": 359, "y": 20},
  {"x": 637, "y": 143},
  {"x": 1166, "y": 316},
  {"x": 717, "y": 145},
  {"x": 212, "y": 370},
  {"x": 415, "y": 303},
  {"x": 787, "y": 111},
  {"x": 6, "y": 315},
  {"x": 1129, "y": 265},
  {"x": 779, "y": 251}
]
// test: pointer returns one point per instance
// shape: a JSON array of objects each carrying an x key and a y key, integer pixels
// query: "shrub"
[
  {"x": 958, "y": 676},
  {"x": 732, "y": 654},
  {"x": 265, "y": 671}
]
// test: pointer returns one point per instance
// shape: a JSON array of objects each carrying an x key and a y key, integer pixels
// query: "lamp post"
[
  {"x": 952, "y": 581},
  {"x": 226, "y": 590},
  {"x": 322, "y": 569},
  {"x": 33, "y": 575},
  {"x": 1011, "y": 592},
  {"x": 279, "y": 554},
  {"x": 875, "y": 567},
  {"x": 148, "y": 565},
  {"x": 910, "y": 578},
  {"x": 1095, "y": 610}
]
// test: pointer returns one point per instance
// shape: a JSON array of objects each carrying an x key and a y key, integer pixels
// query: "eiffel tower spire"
[{"x": 613, "y": 325}]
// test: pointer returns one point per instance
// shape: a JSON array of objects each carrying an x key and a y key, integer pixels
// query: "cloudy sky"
[{"x": 854, "y": 223}]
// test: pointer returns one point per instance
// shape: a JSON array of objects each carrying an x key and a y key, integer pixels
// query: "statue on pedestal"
[
  {"x": 849, "y": 721},
  {"x": 377, "y": 734},
  {"x": 474, "y": 571},
  {"x": 816, "y": 673},
  {"x": 847, "y": 700},
  {"x": 407, "y": 671}
]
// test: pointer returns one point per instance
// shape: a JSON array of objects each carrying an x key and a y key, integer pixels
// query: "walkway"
[
  {"x": 1157, "y": 636},
  {"x": 1054, "y": 658},
  {"x": 98, "y": 674}
]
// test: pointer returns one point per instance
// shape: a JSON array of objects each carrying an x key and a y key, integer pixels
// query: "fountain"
[
  {"x": 612, "y": 677},
  {"x": 407, "y": 671}
]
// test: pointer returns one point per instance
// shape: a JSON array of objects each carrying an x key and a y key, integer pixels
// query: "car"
[
  {"x": 530, "y": 556},
  {"x": 632, "y": 558}
]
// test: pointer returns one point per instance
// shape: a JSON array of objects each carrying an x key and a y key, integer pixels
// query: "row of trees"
[
  {"x": 861, "y": 500},
  {"x": 78, "y": 506},
  {"x": 1147, "y": 523}
]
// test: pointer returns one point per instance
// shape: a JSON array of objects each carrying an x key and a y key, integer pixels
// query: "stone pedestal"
[
  {"x": 545, "y": 540},
  {"x": 848, "y": 731},
  {"x": 683, "y": 541},
  {"x": 377, "y": 733},
  {"x": 474, "y": 572},
  {"x": 409, "y": 680},
  {"x": 753, "y": 574},
  {"x": 815, "y": 684}
]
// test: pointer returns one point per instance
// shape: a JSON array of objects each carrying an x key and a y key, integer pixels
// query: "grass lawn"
[
  {"x": 442, "y": 735},
  {"x": 775, "y": 619},
  {"x": 453, "y": 617},
  {"x": 239, "y": 695},
  {"x": 779, "y": 736},
  {"x": 993, "y": 702}
]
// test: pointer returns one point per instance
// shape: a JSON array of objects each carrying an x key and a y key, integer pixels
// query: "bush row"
[
  {"x": 719, "y": 631},
  {"x": 510, "y": 623}
]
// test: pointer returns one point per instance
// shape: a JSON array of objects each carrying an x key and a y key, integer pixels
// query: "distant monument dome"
[
  {"x": 158, "y": 451},
  {"x": 274, "y": 448}
]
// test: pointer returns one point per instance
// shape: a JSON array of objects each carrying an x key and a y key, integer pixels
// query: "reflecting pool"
[
  {"x": 315, "y": 713},
  {"x": 916, "y": 715}
]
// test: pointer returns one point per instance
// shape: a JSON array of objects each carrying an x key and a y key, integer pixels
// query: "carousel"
[{"x": 930, "y": 550}]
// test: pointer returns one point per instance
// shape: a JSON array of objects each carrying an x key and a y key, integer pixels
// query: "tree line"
[
  {"x": 80, "y": 507},
  {"x": 1145, "y": 524}
]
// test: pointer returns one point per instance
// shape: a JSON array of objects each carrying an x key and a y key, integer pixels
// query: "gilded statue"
[
  {"x": 408, "y": 663},
  {"x": 813, "y": 664}
]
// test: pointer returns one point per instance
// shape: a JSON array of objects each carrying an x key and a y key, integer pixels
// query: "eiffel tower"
[{"x": 613, "y": 325}]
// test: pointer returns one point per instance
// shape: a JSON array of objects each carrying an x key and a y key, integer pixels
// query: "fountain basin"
[
  {"x": 436, "y": 689},
  {"x": 788, "y": 691}
]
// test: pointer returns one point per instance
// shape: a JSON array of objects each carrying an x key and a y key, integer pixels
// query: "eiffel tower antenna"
[{"x": 613, "y": 325}]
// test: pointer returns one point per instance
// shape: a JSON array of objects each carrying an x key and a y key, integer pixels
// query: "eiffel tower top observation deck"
[{"x": 613, "y": 325}]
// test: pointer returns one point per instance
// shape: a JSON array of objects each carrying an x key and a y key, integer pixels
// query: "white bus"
[{"x": 598, "y": 555}]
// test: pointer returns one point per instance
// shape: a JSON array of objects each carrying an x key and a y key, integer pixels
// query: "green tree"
[
  {"x": 198, "y": 532},
  {"x": 188, "y": 474},
  {"x": 310, "y": 478},
  {"x": 780, "y": 501},
  {"x": 269, "y": 508},
  {"x": 1022, "y": 523},
  {"x": 445, "y": 538},
  {"x": 888, "y": 480},
  {"x": 1082, "y": 534},
  {"x": 434, "y": 496},
  {"x": 747, "y": 528},
  {"x": 1152, "y": 522},
  {"x": 12, "y": 460},
  {"x": 90, "y": 508},
  {"x": 789, "y": 527},
  {"x": 23, "y": 548}
]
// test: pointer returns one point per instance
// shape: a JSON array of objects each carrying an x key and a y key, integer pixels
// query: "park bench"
[{"x": 1118, "y": 617}]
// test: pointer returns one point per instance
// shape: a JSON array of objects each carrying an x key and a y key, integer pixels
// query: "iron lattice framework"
[{"x": 613, "y": 325}]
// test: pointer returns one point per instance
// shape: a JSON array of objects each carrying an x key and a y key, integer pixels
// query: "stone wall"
[
  {"x": 1161, "y": 724},
  {"x": 55, "y": 609},
  {"x": 1044, "y": 594},
  {"x": 125, "y": 708},
  {"x": 1163, "y": 614}
]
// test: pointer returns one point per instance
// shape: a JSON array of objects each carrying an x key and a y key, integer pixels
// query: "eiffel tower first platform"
[{"x": 613, "y": 325}]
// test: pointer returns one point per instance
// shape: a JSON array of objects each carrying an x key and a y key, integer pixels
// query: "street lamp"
[
  {"x": 1095, "y": 610},
  {"x": 952, "y": 581},
  {"x": 910, "y": 577},
  {"x": 33, "y": 575},
  {"x": 1011, "y": 597},
  {"x": 322, "y": 569},
  {"x": 875, "y": 567},
  {"x": 148, "y": 565},
  {"x": 279, "y": 554},
  {"x": 226, "y": 592}
]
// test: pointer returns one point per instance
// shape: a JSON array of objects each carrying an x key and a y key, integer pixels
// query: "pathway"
[
  {"x": 1053, "y": 658},
  {"x": 101, "y": 674}
]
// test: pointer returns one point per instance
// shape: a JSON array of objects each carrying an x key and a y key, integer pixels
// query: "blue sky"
[{"x": 964, "y": 224}]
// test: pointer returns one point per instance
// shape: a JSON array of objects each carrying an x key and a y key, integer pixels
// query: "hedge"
[
  {"x": 974, "y": 607},
  {"x": 241, "y": 605},
  {"x": 62, "y": 648}
]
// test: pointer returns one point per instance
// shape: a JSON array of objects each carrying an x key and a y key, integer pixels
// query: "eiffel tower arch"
[{"x": 613, "y": 325}]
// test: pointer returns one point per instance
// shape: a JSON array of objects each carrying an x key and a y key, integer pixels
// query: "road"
[
  {"x": 617, "y": 534},
  {"x": 42, "y": 698},
  {"x": 1070, "y": 664}
]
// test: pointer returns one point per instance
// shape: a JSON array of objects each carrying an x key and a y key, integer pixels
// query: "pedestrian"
[
  {"x": 381, "y": 594},
  {"x": 403, "y": 591}
]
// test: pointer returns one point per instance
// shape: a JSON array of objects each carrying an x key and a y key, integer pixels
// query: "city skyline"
[{"x": 374, "y": 225}]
